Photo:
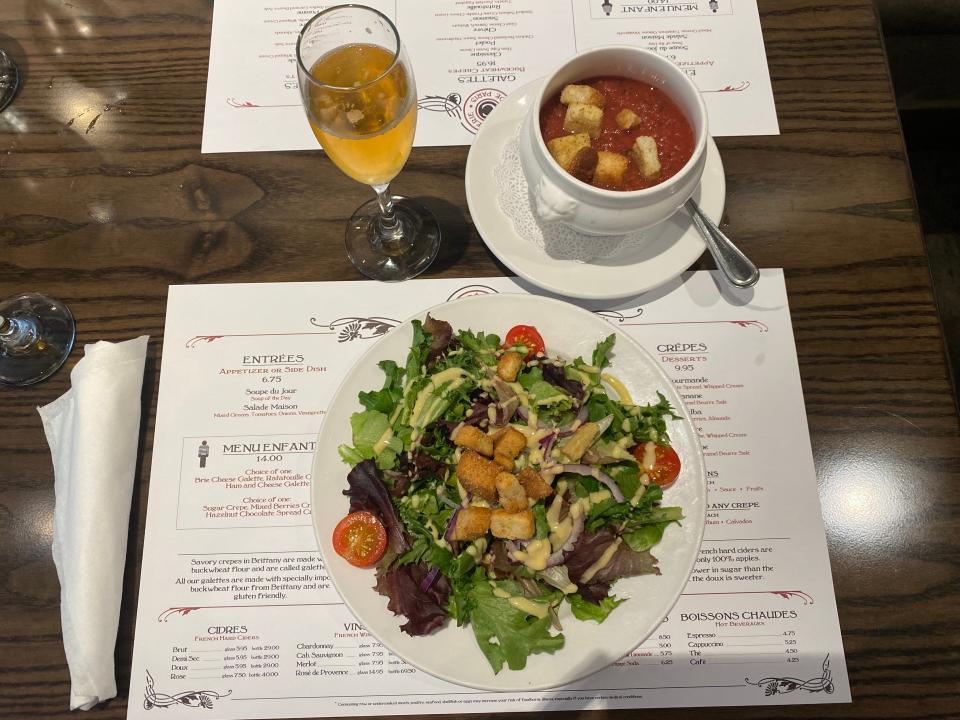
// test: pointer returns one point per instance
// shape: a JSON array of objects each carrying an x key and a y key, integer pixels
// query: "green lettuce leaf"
[
  {"x": 386, "y": 399},
  {"x": 627, "y": 477},
  {"x": 506, "y": 634},
  {"x": 586, "y": 610},
  {"x": 645, "y": 537},
  {"x": 540, "y": 518},
  {"x": 529, "y": 377},
  {"x": 480, "y": 346},
  {"x": 543, "y": 393},
  {"x": 601, "y": 354},
  {"x": 368, "y": 427}
]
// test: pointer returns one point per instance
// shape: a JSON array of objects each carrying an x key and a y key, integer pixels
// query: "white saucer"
[{"x": 668, "y": 249}]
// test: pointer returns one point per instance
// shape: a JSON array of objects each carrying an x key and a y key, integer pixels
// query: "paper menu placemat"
[
  {"x": 236, "y": 613},
  {"x": 467, "y": 56}
]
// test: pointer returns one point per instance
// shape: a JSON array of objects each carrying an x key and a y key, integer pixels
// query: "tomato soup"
[{"x": 657, "y": 116}]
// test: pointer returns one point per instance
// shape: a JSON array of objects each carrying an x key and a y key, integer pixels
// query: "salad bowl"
[{"x": 451, "y": 653}]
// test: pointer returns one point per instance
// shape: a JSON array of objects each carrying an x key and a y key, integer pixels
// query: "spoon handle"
[{"x": 729, "y": 258}]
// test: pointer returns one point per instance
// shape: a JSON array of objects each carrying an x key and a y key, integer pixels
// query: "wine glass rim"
[{"x": 393, "y": 62}]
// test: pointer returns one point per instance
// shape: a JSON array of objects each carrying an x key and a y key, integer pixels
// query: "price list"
[{"x": 238, "y": 614}]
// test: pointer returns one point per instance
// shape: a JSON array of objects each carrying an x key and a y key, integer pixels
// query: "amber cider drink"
[{"x": 365, "y": 112}]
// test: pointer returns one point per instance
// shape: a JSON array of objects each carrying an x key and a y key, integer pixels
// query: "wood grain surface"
[{"x": 105, "y": 200}]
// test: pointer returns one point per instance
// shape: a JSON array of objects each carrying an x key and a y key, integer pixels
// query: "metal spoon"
[{"x": 729, "y": 258}]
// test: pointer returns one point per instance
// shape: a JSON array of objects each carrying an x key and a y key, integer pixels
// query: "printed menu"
[
  {"x": 238, "y": 615},
  {"x": 468, "y": 55}
]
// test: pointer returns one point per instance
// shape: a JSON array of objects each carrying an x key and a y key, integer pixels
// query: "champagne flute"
[
  {"x": 359, "y": 94},
  {"x": 36, "y": 336}
]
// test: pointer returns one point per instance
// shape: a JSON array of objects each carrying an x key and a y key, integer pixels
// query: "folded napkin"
[{"x": 92, "y": 430}]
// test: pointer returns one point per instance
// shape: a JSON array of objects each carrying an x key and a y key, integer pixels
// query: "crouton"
[
  {"x": 471, "y": 523},
  {"x": 478, "y": 475},
  {"x": 627, "y": 119},
  {"x": 512, "y": 525},
  {"x": 509, "y": 364},
  {"x": 644, "y": 153},
  {"x": 504, "y": 461},
  {"x": 583, "y": 94},
  {"x": 509, "y": 442},
  {"x": 566, "y": 148},
  {"x": 584, "y": 164},
  {"x": 534, "y": 485},
  {"x": 511, "y": 493},
  {"x": 582, "y": 118},
  {"x": 610, "y": 169},
  {"x": 470, "y": 437}
]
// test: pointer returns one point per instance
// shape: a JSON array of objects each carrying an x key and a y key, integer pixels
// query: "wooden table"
[{"x": 105, "y": 200}]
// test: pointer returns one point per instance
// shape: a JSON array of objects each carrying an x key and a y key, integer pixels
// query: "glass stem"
[
  {"x": 389, "y": 230},
  {"x": 18, "y": 336}
]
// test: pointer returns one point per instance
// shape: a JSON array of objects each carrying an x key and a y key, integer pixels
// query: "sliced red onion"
[
  {"x": 429, "y": 578},
  {"x": 546, "y": 445},
  {"x": 451, "y": 524},
  {"x": 575, "y": 531}
]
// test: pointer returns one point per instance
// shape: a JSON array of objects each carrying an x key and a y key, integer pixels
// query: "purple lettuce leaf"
[
  {"x": 428, "y": 466},
  {"x": 553, "y": 374},
  {"x": 401, "y": 479},
  {"x": 424, "y": 610},
  {"x": 594, "y": 591},
  {"x": 624, "y": 563},
  {"x": 420, "y": 466},
  {"x": 441, "y": 334},
  {"x": 368, "y": 492}
]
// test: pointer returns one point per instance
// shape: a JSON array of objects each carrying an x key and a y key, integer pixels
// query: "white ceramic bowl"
[{"x": 558, "y": 197}]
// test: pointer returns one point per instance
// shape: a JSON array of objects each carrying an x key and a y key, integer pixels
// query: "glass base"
[
  {"x": 36, "y": 336},
  {"x": 9, "y": 79},
  {"x": 402, "y": 259}
]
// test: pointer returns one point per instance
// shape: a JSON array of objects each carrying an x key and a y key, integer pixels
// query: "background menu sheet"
[
  {"x": 468, "y": 55},
  {"x": 237, "y": 614}
]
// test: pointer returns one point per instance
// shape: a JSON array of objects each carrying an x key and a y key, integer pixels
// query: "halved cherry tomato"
[
  {"x": 360, "y": 538},
  {"x": 526, "y": 335},
  {"x": 666, "y": 464}
]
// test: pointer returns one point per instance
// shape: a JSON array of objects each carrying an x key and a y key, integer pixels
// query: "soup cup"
[{"x": 558, "y": 197}]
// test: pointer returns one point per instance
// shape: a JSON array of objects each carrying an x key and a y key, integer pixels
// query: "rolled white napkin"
[{"x": 92, "y": 430}]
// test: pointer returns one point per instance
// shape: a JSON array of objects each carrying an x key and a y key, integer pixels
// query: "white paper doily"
[{"x": 555, "y": 239}]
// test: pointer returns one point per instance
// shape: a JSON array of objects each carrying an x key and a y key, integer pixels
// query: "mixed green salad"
[{"x": 491, "y": 482}]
